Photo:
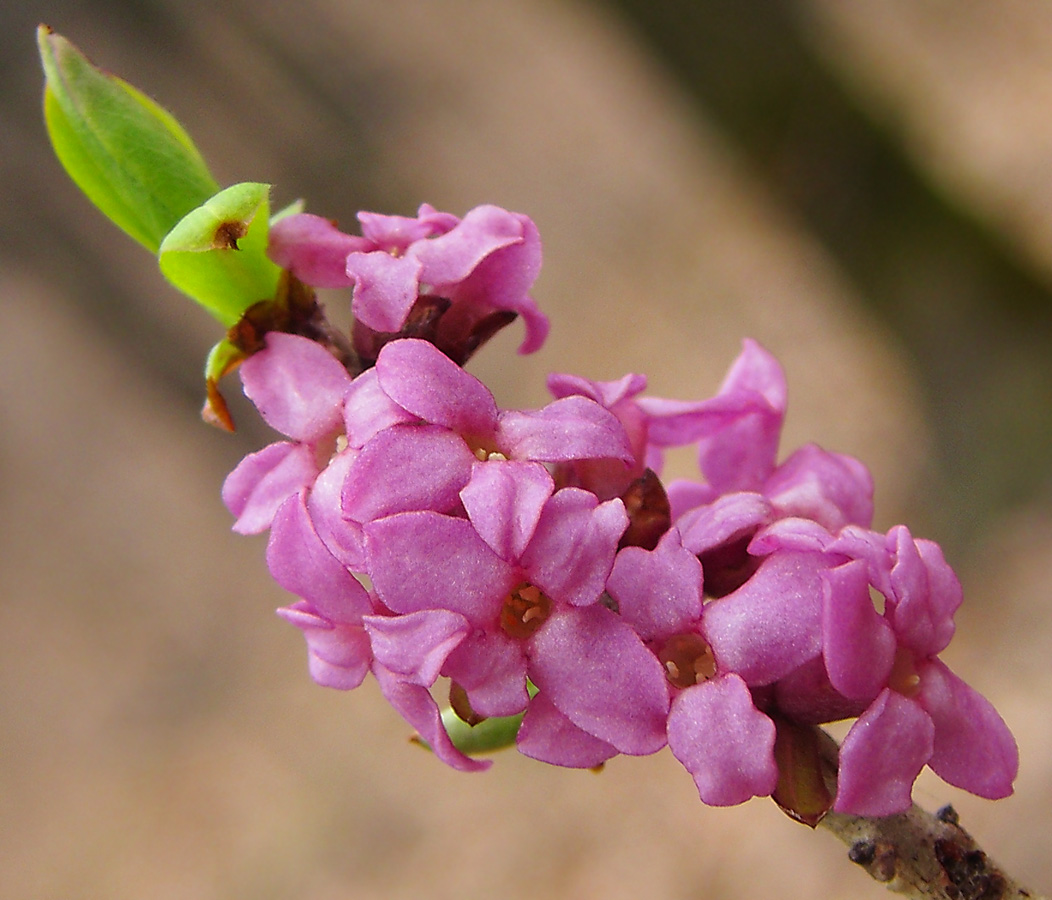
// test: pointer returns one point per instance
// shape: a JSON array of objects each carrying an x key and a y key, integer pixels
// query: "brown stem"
[{"x": 923, "y": 855}]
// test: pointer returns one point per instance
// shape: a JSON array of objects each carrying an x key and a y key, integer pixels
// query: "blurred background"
[{"x": 862, "y": 185}]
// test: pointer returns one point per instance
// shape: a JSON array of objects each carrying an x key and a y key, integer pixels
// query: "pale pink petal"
[
  {"x": 297, "y": 386},
  {"x": 573, "y": 546},
  {"x": 504, "y": 499},
  {"x": 882, "y": 756},
  {"x": 547, "y": 735},
  {"x": 725, "y": 743},
  {"x": 858, "y": 644},
  {"x": 314, "y": 249},
  {"x": 264, "y": 480},
  {"x": 415, "y": 646},
  {"x": 338, "y": 656},
  {"x": 427, "y": 383},
  {"x": 599, "y": 675},
  {"x": 974, "y": 749}
]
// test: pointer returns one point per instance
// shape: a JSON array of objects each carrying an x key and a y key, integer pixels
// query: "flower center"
[
  {"x": 524, "y": 611},
  {"x": 904, "y": 677},
  {"x": 687, "y": 659}
]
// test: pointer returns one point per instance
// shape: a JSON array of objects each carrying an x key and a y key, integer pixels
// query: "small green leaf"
[
  {"x": 130, "y": 156},
  {"x": 217, "y": 252}
]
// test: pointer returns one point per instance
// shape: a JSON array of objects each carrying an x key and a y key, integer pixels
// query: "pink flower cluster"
[{"x": 429, "y": 534}]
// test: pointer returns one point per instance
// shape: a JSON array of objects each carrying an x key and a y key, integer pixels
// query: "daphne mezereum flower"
[
  {"x": 526, "y": 570},
  {"x": 883, "y": 666},
  {"x": 453, "y": 282},
  {"x": 453, "y": 424},
  {"x": 714, "y": 728}
]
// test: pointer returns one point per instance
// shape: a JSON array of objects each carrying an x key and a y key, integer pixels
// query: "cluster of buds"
[{"x": 535, "y": 561}]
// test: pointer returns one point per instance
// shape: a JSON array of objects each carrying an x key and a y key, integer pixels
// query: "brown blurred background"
[{"x": 864, "y": 186}]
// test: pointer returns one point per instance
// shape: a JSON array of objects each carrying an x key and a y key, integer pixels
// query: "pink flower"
[{"x": 453, "y": 282}]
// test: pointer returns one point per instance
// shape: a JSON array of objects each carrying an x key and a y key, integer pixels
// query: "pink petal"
[
  {"x": 830, "y": 488},
  {"x": 568, "y": 429},
  {"x": 491, "y": 668},
  {"x": 427, "y": 383},
  {"x": 659, "y": 592},
  {"x": 771, "y": 624},
  {"x": 547, "y": 735},
  {"x": 301, "y": 563},
  {"x": 385, "y": 288},
  {"x": 297, "y": 386},
  {"x": 573, "y": 546},
  {"x": 504, "y": 499},
  {"x": 415, "y": 704},
  {"x": 338, "y": 656},
  {"x": 725, "y": 743},
  {"x": 927, "y": 593},
  {"x": 974, "y": 749},
  {"x": 368, "y": 410},
  {"x": 858, "y": 644},
  {"x": 342, "y": 537},
  {"x": 407, "y": 467},
  {"x": 422, "y": 560},
  {"x": 882, "y": 756},
  {"x": 264, "y": 480},
  {"x": 598, "y": 674},
  {"x": 314, "y": 249},
  {"x": 731, "y": 517},
  {"x": 415, "y": 646}
]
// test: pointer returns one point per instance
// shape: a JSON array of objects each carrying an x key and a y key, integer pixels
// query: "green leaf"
[
  {"x": 217, "y": 252},
  {"x": 130, "y": 156}
]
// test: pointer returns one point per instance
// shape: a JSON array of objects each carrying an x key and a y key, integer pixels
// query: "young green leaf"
[
  {"x": 130, "y": 156},
  {"x": 217, "y": 252}
]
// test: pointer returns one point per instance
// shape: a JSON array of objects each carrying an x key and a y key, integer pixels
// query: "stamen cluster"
[{"x": 536, "y": 560}]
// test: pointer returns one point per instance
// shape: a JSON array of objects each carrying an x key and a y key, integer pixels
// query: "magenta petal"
[
  {"x": 415, "y": 646},
  {"x": 882, "y": 756},
  {"x": 385, "y": 288},
  {"x": 301, "y": 563},
  {"x": 367, "y": 410},
  {"x": 599, "y": 675},
  {"x": 424, "y": 381},
  {"x": 415, "y": 704},
  {"x": 263, "y": 481},
  {"x": 568, "y": 429},
  {"x": 342, "y": 537},
  {"x": 573, "y": 547},
  {"x": 504, "y": 499},
  {"x": 830, "y": 488},
  {"x": 491, "y": 668},
  {"x": 927, "y": 593},
  {"x": 659, "y": 592},
  {"x": 791, "y": 534},
  {"x": 314, "y": 249},
  {"x": 297, "y": 386},
  {"x": 450, "y": 258},
  {"x": 771, "y": 624},
  {"x": 547, "y": 735},
  {"x": 422, "y": 560},
  {"x": 397, "y": 233},
  {"x": 729, "y": 518},
  {"x": 339, "y": 656},
  {"x": 404, "y": 468},
  {"x": 858, "y": 644},
  {"x": 974, "y": 749},
  {"x": 725, "y": 743}
]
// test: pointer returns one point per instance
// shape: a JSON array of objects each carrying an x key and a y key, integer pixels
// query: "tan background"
[{"x": 159, "y": 736}]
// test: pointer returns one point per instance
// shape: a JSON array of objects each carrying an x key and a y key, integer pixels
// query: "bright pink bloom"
[{"x": 451, "y": 281}]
